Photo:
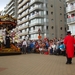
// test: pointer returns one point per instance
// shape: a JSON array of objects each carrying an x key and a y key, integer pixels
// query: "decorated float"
[{"x": 8, "y": 35}]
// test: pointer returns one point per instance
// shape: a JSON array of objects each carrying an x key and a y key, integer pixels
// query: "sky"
[{"x": 3, "y": 3}]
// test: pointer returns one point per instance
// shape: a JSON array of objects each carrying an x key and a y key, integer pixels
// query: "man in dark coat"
[
  {"x": 69, "y": 42},
  {"x": 7, "y": 38}
]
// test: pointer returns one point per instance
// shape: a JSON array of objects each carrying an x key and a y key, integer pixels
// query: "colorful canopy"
[{"x": 7, "y": 21}]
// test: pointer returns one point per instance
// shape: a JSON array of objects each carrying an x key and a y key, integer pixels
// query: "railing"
[
  {"x": 36, "y": 7},
  {"x": 20, "y": 5},
  {"x": 23, "y": 33},
  {"x": 22, "y": 27},
  {"x": 71, "y": 8},
  {"x": 35, "y": 15},
  {"x": 71, "y": 20},
  {"x": 34, "y": 1}
]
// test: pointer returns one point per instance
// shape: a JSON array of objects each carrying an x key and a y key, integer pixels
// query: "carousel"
[{"x": 8, "y": 45}]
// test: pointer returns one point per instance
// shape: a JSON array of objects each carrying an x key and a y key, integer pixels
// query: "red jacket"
[{"x": 69, "y": 42}]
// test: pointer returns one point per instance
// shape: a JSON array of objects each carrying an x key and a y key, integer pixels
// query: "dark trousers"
[
  {"x": 69, "y": 60},
  {"x": 24, "y": 49}
]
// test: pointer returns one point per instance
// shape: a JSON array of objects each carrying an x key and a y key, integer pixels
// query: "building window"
[
  {"x": 52, "y": 13},
  {"x": 60, "y": 28},
  {"x": 47, "y": 27},
  {"x": 51, "y": 5},
  {"x": 29, "y": 36},
  {"x": 46, "y": 5},
  {"x": 60, "y": 20},
  {"x": 60, "y": 7},
  {"x": 52, "y": 34},
  {"x": 51, "y": 19},
  {"x": 65, "y": 28},
  {"x": 61, "y": 35},
  {"x": 52, "y": 27},
  {"x": 71, "y": 3},
  {"x": 46, "y": 12},
  {"x": 60, "y": 13}
]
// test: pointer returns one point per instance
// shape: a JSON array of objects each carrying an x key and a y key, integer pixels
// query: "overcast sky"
[{"x": 3, "y": 3}]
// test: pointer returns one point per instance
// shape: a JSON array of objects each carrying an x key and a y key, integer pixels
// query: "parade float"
[{"x": 8, "y": 35}]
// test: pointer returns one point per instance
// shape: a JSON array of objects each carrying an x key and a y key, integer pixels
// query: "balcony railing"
[
  {"x": 32, "y": 2},
  {"x": 23, "y": 33},
  {"x": 23, "y": 14},
  {"x": 20, "y": 10},
  {"x": 23, "y": 21},
  {"x": 71, "y": 20},
  {"x": 22, "y": 27},
  {"x": 25, "y": 7},
  {"x": 36, "y": 15},
  {"x": 33, "y": 31},
  {"x": 36, "y": 7},
  {"x": 35, "y": 24},
  {"x": 19, "y": 1},
  {"x": 71, "y": 8},
  {"x": 67, "y": 0},
  {"x": 20, "y": 5}
]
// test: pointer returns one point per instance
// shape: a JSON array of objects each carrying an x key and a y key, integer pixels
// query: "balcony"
[
  {"x": 23, "y": 15},
  {"x": 23, "y": 21},
  {"x": 35, "y": 24},
  {"x": 69, "y": 0},
  {"x": 36, "y": 8},
  {"x": 33, "y": 31},
  {"x": 23, "y": 3},
  {"x": 25, "y": 7},
  {"x": 71, "y": 20},
  {"x": 20, "y": 10},
  {"x": 70, "y": 9},
  {"x": 35, "y": 1},
  {"x": 11, "y": 12},
  {"x": 19, "y": 1},
  {"x": 23, "y": 27},
  {"x": 23, "y": 33},
  {"x": 36, "y": 16}
]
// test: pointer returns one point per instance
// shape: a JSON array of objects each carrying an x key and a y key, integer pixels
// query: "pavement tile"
[{"x": 35, "y": 64}]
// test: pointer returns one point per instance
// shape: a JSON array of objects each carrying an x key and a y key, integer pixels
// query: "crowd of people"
[
  {"x": 52, "y": 46},
  {"x": 62, "y": 46}
]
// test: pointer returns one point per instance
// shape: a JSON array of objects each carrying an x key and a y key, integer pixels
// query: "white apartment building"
[
  {"x": 32, "y": 15},
  {"x": 70, "y": 10},
  {"x": 11, "y": 8},
  {"x": 35, "y": 14}
]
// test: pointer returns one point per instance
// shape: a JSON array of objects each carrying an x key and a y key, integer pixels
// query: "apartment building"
[
  {"x": 11, "y": 8},
  {"x": 57, "y": 20},
  {"x": 34, "y": 15},
  {"x": 46, "y": 15},
  {"x": 70, "y": 10},
  {"x": 31, "y": 17}
]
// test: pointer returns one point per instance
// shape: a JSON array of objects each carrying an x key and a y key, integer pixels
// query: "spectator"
[{"x": 24, "y": 45}]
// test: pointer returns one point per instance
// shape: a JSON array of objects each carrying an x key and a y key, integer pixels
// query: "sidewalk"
[{"x": 35, "y": 64}]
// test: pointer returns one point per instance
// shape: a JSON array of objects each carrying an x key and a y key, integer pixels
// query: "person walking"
[
  {"x": 24, "y": 45},
  {"x": 69, "y": 42}
]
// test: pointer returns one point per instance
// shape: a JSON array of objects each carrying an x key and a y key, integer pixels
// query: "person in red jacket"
[{"x": 69, "y": 42}]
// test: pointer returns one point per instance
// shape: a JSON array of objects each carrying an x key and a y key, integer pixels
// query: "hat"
[{"x": 68, "y": 32}]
